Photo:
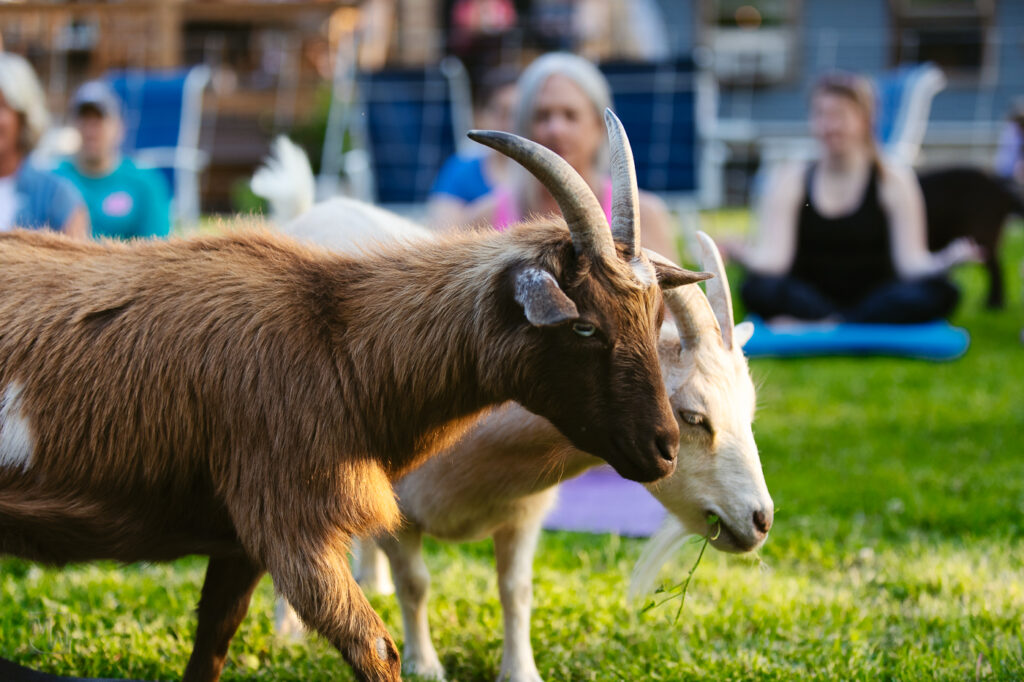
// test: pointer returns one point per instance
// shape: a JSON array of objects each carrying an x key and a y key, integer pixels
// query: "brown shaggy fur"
[{"x": 249, "y": 398}]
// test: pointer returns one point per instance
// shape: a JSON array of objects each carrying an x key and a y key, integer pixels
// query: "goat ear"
[
  {"x": 543, "y": 301},
  {"x": 742, "y": 333},
  {"x": 671, "y": 276}
]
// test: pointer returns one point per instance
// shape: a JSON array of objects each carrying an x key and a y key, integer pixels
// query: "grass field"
[{"x": 897, "y": 553}]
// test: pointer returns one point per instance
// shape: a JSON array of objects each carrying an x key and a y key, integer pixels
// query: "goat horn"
[
  {"x": 717, "y": 287},
  {"x": 692, "y": 313},
  {"x": 581, "y": 209},
  {"x": 690, "y": 308},
  {"x": 625, "y": 193}
]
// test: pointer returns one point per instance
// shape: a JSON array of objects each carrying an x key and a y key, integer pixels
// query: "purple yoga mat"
[{"x": 601, "y": 501}]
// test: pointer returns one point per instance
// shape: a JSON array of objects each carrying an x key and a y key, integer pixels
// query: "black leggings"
[{"x": 899, "y": 302}]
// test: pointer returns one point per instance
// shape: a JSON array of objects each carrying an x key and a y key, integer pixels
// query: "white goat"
[{"x": 500, "y": 479}]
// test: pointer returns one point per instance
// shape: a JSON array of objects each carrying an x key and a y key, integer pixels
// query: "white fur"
[
  {"x": 644, "y": 271},
  {"x": 16, "y": 442},
  {"x": 500, "y": 480},
  {"x": 666, "y": 541},
  {"x": 352, "y": 226},
  {"x": 286, "y": 181}
]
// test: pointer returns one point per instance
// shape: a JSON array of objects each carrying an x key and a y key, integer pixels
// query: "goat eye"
[
  {"x": 584, "y": 328},
  {"x": 695, "y": 419}
]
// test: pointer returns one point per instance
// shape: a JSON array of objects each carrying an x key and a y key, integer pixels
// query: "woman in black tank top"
[
  {"x": 847, "y": 256},
  {"x": 844, "y": 238}
]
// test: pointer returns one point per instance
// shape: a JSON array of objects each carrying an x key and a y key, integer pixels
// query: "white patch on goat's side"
[
  {"x": 381, "y": 648},
  {"x": 644, "y": 271},
  {"x": 15, "y": 431}
]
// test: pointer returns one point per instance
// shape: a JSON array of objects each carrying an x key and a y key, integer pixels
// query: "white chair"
[
  {"x": 905, "y": 97},
  {"x": 162, "y": 118}
]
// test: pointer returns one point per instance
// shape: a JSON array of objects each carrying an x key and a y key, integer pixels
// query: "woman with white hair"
[
  {"x": 562, "y": 98},
  {"x": 29, "y": 197}
]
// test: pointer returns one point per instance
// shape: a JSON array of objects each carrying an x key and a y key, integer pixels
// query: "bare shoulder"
[
  {"x": 651, "y": 204},
  {"x": 658, "y": 231},
  {"x": 897, "y": 183},
  {"x": 788, "y": 178}
]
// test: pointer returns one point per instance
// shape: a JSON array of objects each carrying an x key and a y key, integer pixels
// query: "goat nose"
[
  {"x": 763, "y": 521},
  {"x": 667, "y": 447}
]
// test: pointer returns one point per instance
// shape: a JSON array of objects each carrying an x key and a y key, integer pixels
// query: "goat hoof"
[
  {"x": 519, "y": 675},
  {"x": 375, "y": 659},
  {"x": 424, "y": 669}
]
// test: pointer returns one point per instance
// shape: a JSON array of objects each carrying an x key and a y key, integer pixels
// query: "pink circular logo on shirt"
[{"x": 117, "y": 204}]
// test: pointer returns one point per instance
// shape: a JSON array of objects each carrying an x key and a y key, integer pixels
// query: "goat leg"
[
  {"x": 327, "y": 599},
  {"x": 224, "y": 601},
  {"x": 372, "y": 573},
  {"x": 514, "y": 546},
  {"x": 996, "y": 299},
  {"x": 372, "y": 570},
  {"x": 301, "y": 532},
  {"x": 412, "y": 585}
]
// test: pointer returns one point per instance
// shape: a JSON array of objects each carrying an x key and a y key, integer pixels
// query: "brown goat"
[{"x": 249, "y": 398}]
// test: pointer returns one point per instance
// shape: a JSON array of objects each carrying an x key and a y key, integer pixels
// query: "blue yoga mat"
[{"x": 938, "y": 340}]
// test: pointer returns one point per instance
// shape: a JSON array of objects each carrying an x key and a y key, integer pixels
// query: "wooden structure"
[{"x": 267, "y": 59}]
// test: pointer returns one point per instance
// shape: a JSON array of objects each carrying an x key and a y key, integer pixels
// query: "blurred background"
[
  {"x": 897, "y": 550},
  {"x": 711, "y": 91}
]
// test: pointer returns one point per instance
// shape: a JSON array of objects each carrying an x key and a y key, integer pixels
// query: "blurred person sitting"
[
  {"x": 464, "y": 178},
  {"x": 124, "y": 201},
  {"x": 562, "y": 98},
  {"x": 30, "y": 198},
  {"x": 843, "y": 238}
]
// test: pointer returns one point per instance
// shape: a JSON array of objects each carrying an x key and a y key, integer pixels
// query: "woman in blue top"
[
  {"x": 843, "y": 238},
  {"x": 30, "y": 198},
  {"x": 465, "y": 178}
]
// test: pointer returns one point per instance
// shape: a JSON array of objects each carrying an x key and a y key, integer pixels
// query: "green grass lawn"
[{"x": 896, "y": 554}]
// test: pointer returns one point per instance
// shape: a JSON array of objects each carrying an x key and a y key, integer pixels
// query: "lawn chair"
[
  {"x": 402, "y": 124},
  {"x": 666, "y": 108},
  {"x": 905, "y": 97},
  {"x": 162, "y": 117}
]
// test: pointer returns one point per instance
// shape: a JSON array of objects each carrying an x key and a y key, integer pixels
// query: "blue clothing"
[
  {"x": 127, "y": 203},
  {"x": 44, "y": 199},
  {"x": 463, "y": 178},
  {"x": 1010, "y": 151}
]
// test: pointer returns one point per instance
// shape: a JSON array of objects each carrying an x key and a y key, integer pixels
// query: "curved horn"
[
  {"x": 581, "y": 209},
  {"x": 690, "y": 308},
  {"x": 693, "y": 315},
  {"x": 625, "y": 194},
  {"x": 718, "y": 287}
]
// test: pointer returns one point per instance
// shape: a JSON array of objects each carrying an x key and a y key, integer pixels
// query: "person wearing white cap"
[
  {"x": 124, "y": 201},
  {"x": 30, "y": 198}
]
